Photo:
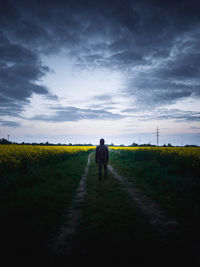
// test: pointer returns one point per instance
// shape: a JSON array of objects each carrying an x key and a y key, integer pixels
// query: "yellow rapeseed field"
[
  {"x": 13, "y": 156},
  {"x": 182, "y": 151}
]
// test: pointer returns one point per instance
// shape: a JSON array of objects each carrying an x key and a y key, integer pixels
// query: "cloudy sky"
[{"x": 78, "y": 70}]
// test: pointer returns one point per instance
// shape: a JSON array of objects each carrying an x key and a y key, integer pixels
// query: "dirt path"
[
  {"x": 63, "y": 243},
  {"x": 152, "y": 211}
]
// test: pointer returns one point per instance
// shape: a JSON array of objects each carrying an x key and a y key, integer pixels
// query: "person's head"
[{"x": 102, "y": 141}]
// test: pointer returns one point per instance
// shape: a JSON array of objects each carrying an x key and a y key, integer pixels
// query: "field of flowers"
[
  {"x": 179, "y": 160},
  {"x": 21, "y": 156},
  {"x": 192, "y": 153},
  {"x": 37, "y": 185},
  {"x": 168, "y": 175},
  {"x": 180, "y": 151}
]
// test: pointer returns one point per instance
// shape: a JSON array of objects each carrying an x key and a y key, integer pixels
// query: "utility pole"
[
  {"x": 8, "y": 137},
  {"x": 157, "y": 135}
]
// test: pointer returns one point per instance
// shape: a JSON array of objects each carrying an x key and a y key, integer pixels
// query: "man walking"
[{"x": 101, "y": 157}]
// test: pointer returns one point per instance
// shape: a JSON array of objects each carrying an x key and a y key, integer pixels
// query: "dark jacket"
[{"x": 101, "y": 153}]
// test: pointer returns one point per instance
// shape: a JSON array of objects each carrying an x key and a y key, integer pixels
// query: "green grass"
[
  {"x": 35, "y": 206},
  {"x": 170, "y": 180},
  {"x": 113, "y": 231}
]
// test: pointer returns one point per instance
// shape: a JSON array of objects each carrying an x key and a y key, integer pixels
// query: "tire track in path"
[
  {"x": 63, "y": 243},
  {"x": 151, "y": 210}
]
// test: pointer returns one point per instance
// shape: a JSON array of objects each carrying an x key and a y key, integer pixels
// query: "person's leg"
[
  {"x": 105, "y": 169},
  {"x": 99, "y": 169}
]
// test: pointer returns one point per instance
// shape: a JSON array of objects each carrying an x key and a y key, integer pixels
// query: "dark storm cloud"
[
  {"x": 96, "y": 17},
  {"x": 104, "y": 101},
  {"x": 154, "y": 92},
  {"x": 181, "y": 116},
  {"x": 185, "y": 67},
  {"x": 155, "y": 43},
  {"x": 20, "y": 69},
  {"x": 135, "y": 28},
  {"x": 63, "y": 114},
  {"x": 195, "y": 128},
  {"x": 174, "y": 78},
  {"x": 10, "y": 123},
  {"x": 169, "y": 114}
]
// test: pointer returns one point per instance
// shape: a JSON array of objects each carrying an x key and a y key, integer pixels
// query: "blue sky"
[{"x": 78, "y": 71}]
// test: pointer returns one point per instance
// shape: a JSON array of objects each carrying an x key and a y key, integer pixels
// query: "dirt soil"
[
  {"x": 151, "y": 210},
  {"x": 62, "y": 244}
]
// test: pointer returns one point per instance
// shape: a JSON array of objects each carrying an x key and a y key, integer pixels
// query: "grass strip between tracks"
[{"x": 113, "y": 229}]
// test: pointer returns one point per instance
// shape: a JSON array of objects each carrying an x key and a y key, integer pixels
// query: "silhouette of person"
[{"x": 101, "y": 158}]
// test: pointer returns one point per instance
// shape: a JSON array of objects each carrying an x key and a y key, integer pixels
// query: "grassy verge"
[
  {"x": 113, "y": 231},
  {"x": 36, "y": 206},
  {"x": 173, "y": 182}
]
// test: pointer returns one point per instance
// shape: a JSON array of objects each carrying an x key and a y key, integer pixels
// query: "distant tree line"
[
  {"x": 4, "y": 141},
  {"x": 168, "y": 145},
  {"x": 136, "y": 145}
]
